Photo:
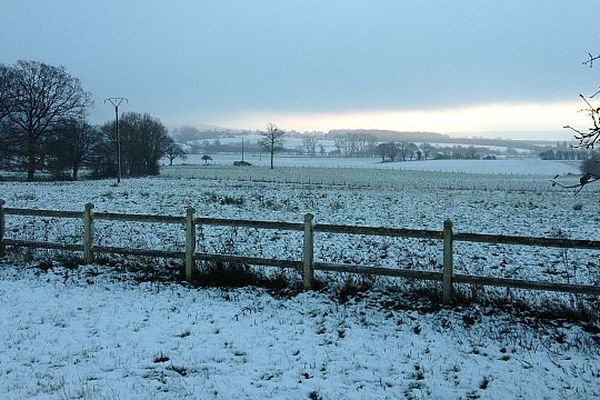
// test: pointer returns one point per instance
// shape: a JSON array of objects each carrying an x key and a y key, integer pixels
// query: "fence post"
[
  {"x": 88, "y": 234},
  {"x": 2, "y": 227},
  {"x": 308, "y": 274},
  {"x": 190, "y": 243},
  {"x": 447, "y": 271}
]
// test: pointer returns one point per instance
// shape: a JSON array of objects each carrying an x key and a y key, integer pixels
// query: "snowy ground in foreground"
[{"x": 90, "y": 334}]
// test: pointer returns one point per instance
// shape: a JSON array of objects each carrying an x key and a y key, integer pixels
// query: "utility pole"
[
  {"x": 242, "y": 149},
  {"x": 116, "y": 102}
]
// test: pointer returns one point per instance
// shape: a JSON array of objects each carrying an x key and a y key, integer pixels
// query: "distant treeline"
[
  {"x": 563, "y": 151},
  {"x": 407, "y": 151},
  {"x": 354, "y": 145},
  {"x": 189, "y": 134}
]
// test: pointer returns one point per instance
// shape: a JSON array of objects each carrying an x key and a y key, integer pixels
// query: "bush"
[{"x": 231, "y": 275}]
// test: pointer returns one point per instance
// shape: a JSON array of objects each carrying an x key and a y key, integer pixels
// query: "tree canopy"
[{"x": 34, "y": 99}]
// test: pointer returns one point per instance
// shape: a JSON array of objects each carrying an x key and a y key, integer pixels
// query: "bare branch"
[
  {"x": 587, "y": 139},
  {"x": 591, "y": 59},
  {"x": 584, "y": 180}
]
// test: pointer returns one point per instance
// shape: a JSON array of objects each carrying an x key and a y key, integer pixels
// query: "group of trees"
[
  {"x": 408, "y": 151},
  {"x": 352, "y": 144},
  {"x": 347, "y": 144},
  {"x": 562, "y": 151},
  {"x": 36, "y": 100},
  {"x": 207, "y": 146},
  {"x": 144, "y": 141},
  {"x": 43, "y": 126},
  {"x": 309, "y": 144},
  {"x": 400, "y": 151}
]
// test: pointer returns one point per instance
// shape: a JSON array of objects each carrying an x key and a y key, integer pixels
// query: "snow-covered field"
[
  {"x": 93, "y": 333},
  {"x": 512, "y": 205},
  {"x": 526, "y": 166},
  {"x": 87, "y": 334}
]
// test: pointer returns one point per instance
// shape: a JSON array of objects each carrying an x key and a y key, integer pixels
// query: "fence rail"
[
  {"x": 528, "y": 241},
  {"x": 43, "y": 213},
  {"x": 163, "y": 219},
  {"x": 307, "y": 266},
  {"x": 379, "y": 231}
]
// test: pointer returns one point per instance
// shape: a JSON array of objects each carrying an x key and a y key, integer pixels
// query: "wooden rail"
[
  {"x": 162, "y": 219},
  {"x": 247, "y": 223},
  {"x": 379, "y": 231},
  {"x": 32, "y": 244},
  {"x": 307, "y": 265},
  {"x": 528, "y": 241},
  {"x": 43, "y": 213}
]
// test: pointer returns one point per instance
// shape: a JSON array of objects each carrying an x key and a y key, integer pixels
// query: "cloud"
[{"x": 481, "y": 119}]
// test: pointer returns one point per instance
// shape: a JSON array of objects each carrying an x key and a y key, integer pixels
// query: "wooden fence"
[{"x": 307, "y": 265}]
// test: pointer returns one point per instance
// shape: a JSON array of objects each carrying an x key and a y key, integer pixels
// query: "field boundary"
[{"x": 307, "y": 265}]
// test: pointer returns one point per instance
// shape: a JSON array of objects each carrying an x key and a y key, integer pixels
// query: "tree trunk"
[
  {"x": 30, "y": 157},
  {"x": 272, "y": 152},
  {"x": 75, "y": 171}
]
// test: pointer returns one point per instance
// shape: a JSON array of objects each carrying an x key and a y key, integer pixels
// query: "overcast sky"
[{"x": 463, "y": 67}]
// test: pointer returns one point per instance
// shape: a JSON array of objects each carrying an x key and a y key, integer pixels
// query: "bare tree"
[
  {"x": 322, "y": 150},
  {"x": 371, "y": 145},
  {"x": 412, "y": 150},
  {"x": 587, "y": 138},
  {"x": 590, "y": 172},
  {"x": 309, "y": 142},
  {"x": 272, "y": 140},
  {"x": 426, "y": 150},
  {"x": 361, "y": 143},
  {"x": 4, "y": 91},
  {"x": 591, "y": 167},
  {"x": 72, "y": 145},
  {"x": 389, "y": 150},
  {"x": 403, "y": 149},
  {"x": 174, "y": 151},
  {"x": 9, "y": 141},
  {"x": 40, "y": 96},
  {"x": 144, "y": 141}
]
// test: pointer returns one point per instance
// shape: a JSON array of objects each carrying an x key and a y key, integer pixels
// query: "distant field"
[
  {"x": 374, "y": 177},
  {"x": 516, "y": 166}
]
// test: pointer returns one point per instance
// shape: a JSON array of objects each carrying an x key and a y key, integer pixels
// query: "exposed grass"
[{"x": 546, "y": 308}]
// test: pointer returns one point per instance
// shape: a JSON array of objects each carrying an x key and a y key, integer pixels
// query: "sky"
[{"x": 508, "y": 68}]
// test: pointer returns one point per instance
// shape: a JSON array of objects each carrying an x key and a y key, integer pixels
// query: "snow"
[
  {"x": 510, "y": 205},
  {"x": 95, "y": 332},
  {"x": 525, "y": 166},
  {"x": 90, "y": 334}
]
